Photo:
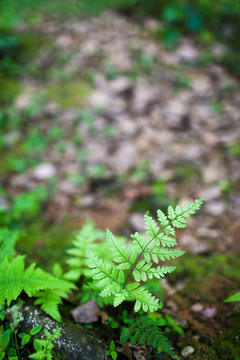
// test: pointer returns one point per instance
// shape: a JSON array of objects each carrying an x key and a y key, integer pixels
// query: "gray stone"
[
  {"x": 187, "y": 52},
  {"x": 136, "y": 221},
  {"x": 215, "y": 208},
  {"x": 188, "y": 350},
  {"x": 44, "y": 171}
]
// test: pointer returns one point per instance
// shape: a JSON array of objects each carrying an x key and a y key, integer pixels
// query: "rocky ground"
[{"x": 120, "y": 125}]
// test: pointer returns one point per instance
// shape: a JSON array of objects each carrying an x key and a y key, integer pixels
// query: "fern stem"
[
  {"x": 143, "y": 250},
  {"x": 136, "y": 261}
]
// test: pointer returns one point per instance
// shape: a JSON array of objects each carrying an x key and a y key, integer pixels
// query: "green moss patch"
[
  {"x": 204, "y": 273},
  {"x": 69, "y": 93}
]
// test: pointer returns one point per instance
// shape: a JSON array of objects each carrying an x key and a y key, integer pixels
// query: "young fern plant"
[
  {"x": 85, "y": 238},
  {"x": 138, "y": 261}
]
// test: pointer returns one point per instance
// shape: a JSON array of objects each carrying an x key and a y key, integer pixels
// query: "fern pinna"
[
  {"x": 85, "y": 238},
  {"x": 134, "y": 264},
  {"x": 144, "y": 330}
]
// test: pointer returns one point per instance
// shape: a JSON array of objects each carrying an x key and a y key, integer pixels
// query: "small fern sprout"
[{"x": 139, "y": 262}]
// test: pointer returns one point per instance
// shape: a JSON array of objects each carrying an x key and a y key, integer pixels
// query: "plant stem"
[{"x": 15, "y": 337}]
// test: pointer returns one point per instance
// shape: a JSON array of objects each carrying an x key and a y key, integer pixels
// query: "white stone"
[
  {"x": 44, "y": 171},
  {"x": 120, "y": 85},
  {"x": 188, "y": 350},
  {"x": 187, "y": 52}
]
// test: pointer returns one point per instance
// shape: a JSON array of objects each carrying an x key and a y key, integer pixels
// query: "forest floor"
[{"x": 113, "y": 124}]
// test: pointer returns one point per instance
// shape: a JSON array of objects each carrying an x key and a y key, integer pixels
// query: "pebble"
[
  {"x": 188, "y": 350},
  {"x": 44, "y": 171}
]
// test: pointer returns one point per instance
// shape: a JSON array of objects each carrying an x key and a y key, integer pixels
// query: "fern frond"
[
  {"x": 49, "y": 301},
  {"x": 119, "y": 251},
  {"x": 110, "y": 278},
  {"x": 77, "y": 262},
  {"x": 8, "y": 240},
  {"x": 144, "y": 330},
  {"x": 137, "y": 259},
  {"x": 14, "y": 279}
]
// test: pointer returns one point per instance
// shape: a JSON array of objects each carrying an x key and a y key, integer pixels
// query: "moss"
[
  {"x": 201, "y": 272},
  {"x": 10, "y": 88},
  {"x": 203, "y": 352},
  {"x": 184, "y": 171},
  {"x": 69, "y": 93},
  {"x": 228, "y": 345}
]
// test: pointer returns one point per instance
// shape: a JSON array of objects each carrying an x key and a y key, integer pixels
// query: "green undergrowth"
[{"x": 204, "y": 272}]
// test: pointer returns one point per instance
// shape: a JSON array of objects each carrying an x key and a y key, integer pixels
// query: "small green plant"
[
  {"x": 134, "y": 263},
  {"x": 44, "y": 347},
  {"x": 112, "y": 350},
  {"x": 77, "y": 261},
  {"x": 235, "y": 297},
  {"x": 145, "y": 330}
]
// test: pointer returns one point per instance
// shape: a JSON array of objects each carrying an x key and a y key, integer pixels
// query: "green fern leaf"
[
  {"x": 8, "y": 240},
  {"x": 49, "y": 301},
  {"x": 119, "y": 251},
  {"x": 14, "y": 280},
  {"x": 144, "y": 330},
  {"x": 164, "y": 253},
  {"x": 138, "y": 243},
  {"x": 151, "y": 226},
  {"x": 109, "y": 277},
  {"x": 137, "y": 259},
  {"x": 84, "y": 239},
  {"x": 144, "y": 300}
]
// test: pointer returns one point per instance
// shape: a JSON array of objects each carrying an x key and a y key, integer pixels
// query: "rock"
[
  {"x": 152, "y": 24},
  {"x": 197, "y": 307},
  {"x": 194, "y": 245},
  {"x": 144, "y": 96},
  {"x": 218, "y": 51},
  {"x": 67, "y": 187},
  {"x": 209, "y": 313},
  {"x": 12, "y": 138},
  {"x": 86, "y": 313},
  {"x": 120, "y": 85},
  {"x": 64, "y": 41},
  {"x": 215, "y": 208},
  {"x": 136, "y": 221},
  {"x": 187, "y": 52},
  {"x": 44, "y": 171},
  {"x": 175, "y": 114},
  {"x": 213, "y": 172},
  {"x": 202, "y": 85},
  {"x": 4, "y": 205},
  {"x": 211, "y": 193},
  {"x": 74, "y": 343},
  {"x": 188, "y": 350},
  {"x": 99, "y": 99},
  {"x": 125, "y": 157}
]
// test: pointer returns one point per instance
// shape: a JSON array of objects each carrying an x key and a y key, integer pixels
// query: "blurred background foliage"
[{"x": 206, "y": 20}]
